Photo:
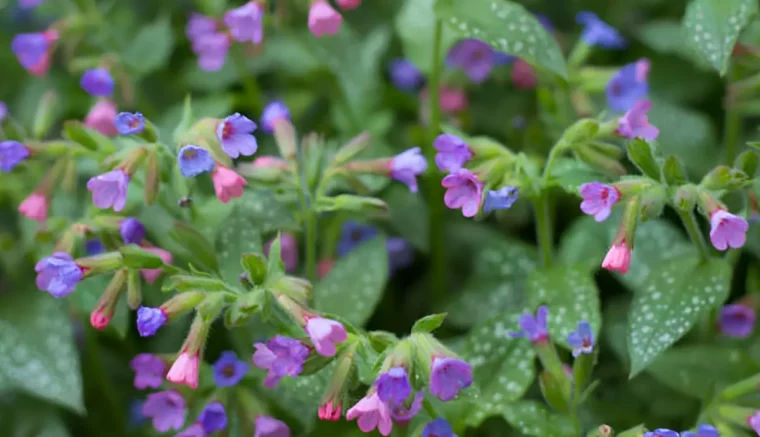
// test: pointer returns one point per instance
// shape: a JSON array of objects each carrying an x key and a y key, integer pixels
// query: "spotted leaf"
[{"x": 534, "y": 419}]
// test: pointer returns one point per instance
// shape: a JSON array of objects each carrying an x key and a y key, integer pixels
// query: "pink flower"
[
  {"x": 324, "y": 333},
  {"x": 598, "y": 199},
  {"x": 151, "y": 275},
  {"x": 371, "y": 413},
  {"x": 618, "y": 258},
  {"x": 98, "y": 319},
  {"x": 635, "y": 124},
  {"x": 109, "y": 189},
  {"x": 330, "y": 411},
  {"x": 754, "y": 422},
  {"x": 348, "y": 4},
  {"x": 34, "y": 207},
  {"x": 324, "y": 266},
  {"x": 323, "y": 19},
  {"x": 227, "y": 183},
  {"x": 184, "y": 370},
  {"x": 727, "y": 230},
  {"x": 100, "y": 118},
  {"x": 523, "y": 75},
  {"x": 464, "y": 190}
]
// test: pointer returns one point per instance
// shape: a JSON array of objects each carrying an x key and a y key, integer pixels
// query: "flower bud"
[
  {"x": 685, "y": 197},
  {"x": 296, "y": 288},
  {"x": 101, "y": 263},
  {"x": 653, "y": 202},
  {"x": 134, "y": 293},
  {"x": 587, "y": 154},
  {"x": 152, "y": 178},
  {"x": 349, "y": 150},
  {"x": 724, "y": 178},
  {"x": 46, "y": 114},
  {"x": 182, "y": 303},
  {"x": 104, "y": 309},
  {"x": 285, "y": 136},
  {"x": 580, "y": 132}
]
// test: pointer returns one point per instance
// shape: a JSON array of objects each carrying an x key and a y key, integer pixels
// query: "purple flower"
[
  {"x": 228, "y": 370},
  {"x": 149, "y": 371},
  {"x": 438, "y": 428},
  {"x": 94, "y": 246},
  {"x": 199, "y": 25},
  {"x": 628, "y": 86},
  {"x": 452, "y": 154},
  {"x": 282, "y": 356},
  {"x": 149, "y": 320},
  {"x": 402, "y": 414},
  {"x": 58, "y": 274},
  {"x": 598, "y": 199},
  {"x": 28, "y": 4},
  {"x": 272, "y": 112},
  {"x": 131, "y": 230},
  {"x": 128, "y": 123},
  {"x": 270, "y": 427},
  {"x": 635, "y": 124},
  {"x": 449, "y": 375},
  {"x": 464, "y": 190},
  {"x": 661, "y": 432},
  {"x": 245, "y": 22},
  {"x": 737, "y": 320},
  {"x": 97, "y": 82},
  {"x": 30, "y": 48},
  {"x": 405, "y": 75},
  {"x": 194, "y": 430},
  {"x": 501, "y": 58},
  {"x": 211, "y": 49},
  {"x": 727, "y": 230},
  {"x": 702, "y": 431},
  {"x": 400, "y": 253},
  {"x": 352, "y": 234},
  {"x": 503, "y": 198},
  {"x": 598, "y": 33},
  {"x": 406, "y": 166},
  {"x": 582, "y": 339},
  {"x": 235, "y": 134},
  {"x": 473, "y": 56},
  {"x": 213, "y": 417},
  {"x": 194, "y": 160},
  {"x": 11, "y": 154},
  {"x": 534, "y": 327},
  {"x": 109, "y": 189},
  {"x": 3, "y": 111},
  {"x": 393, "y": 386},
  {"x": 167, "y": 408}
]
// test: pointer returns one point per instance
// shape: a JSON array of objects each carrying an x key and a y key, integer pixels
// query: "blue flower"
[
  {"x": 581, "y": 340},
  {"x": 352, "y": 235},
  {"x": 128, "y": 123},
  {"x": 393, "y": 386},
  {"x": 503, "y": 198},
  {"x": 598, "y": 33},
  {"x": 702, "y": 431},
  {"x": 535, "y": 328},
  {"x": 405, "y": 75},
  {"x": 94, "y": 246},
  {"x": 228, "y": 370},
  {"x": 97, "y": 82},
  {"x": 628, "y": 86},
  {"x": 661, "y": 432},
  {"x": 194, "y": 160},
  {"x": 438, "y": 428},
  {"x": 400, "y": 253},
  {"x": 272, "y": 112}
]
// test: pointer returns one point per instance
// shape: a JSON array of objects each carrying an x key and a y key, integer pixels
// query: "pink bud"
[
  {"x": 151, "y": 275},
  {"x": 99, "y": 320},
  {"x": 324, "y": 266},
  {"x": 269, "y": 161},
  {"x": 348, "y": 4},
  {"x": 452, "y": 100},
  {"x": 184, "y": 370},
  {"x": 227, "y": 183},
  {"x": 101, "y": 118},
  {"x": 618, "y": 258},
  {"x": 523, "y": 75},
  {"x": 323, "y": 19},
  {"x": 330, "y": 411},
  {"x": 34, "y": 207}
]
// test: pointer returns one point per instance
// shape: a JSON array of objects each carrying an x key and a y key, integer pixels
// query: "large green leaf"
[
  {"x": 355, "y": 283},
  {"x": 534, "y": 419},
  {"x": 673, "y": 298},
  {"x": 506, "y": 26},
  {"x": 415, "y": 25},
  {"x": 151, "y": 47}
]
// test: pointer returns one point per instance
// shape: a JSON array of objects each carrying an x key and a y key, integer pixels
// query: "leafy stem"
[
  {"x": 544, "y": 227},
  {"x": 695, "y": 234}
]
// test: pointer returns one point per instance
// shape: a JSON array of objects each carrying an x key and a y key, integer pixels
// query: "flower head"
[
  {"x": 628, "y": 86},
  {"x": 58, "y": 274},
  {"x": 535, "y": 328},
  {"x": 97, "y": 82},
  {"x": 245, "y": 23},
  {"x": 228, "y": 370},
  {"x": 35, "y": 207},
  {"x": 406, "y": 166},
  {"x": 352, "y": 234},
  {"x": 234, "y": 132},
  {"x": 184, "y": 370},
  {"x": 618, "y": 257},
  {"x": 464, "y": 190},
  {"x": 11, "y": 154},
  {"x": 737, "y": 320},
  {"x": 393, "y": 386},
  {"x": 324, "y": 334},
  {"x": 754, "y": 422},
  {"x": 635, "y": 123},
  {"x": 149, "y": 320},
  {"x": 211, "y": 49},
  {"x": 452, "y": 154},
  {"x": 128, "y": 123},
  {"x": 109, "y": 189},
  {"x": 282, "y": 356},
  {"x": 227, "y": 183},
  {"x": 448, "y": 376},
  {"x": 703, "y": 431},
  {"x": 727, "y": 230},
  {"x": 598, "y": 33},
  {"x": 523, "y": 75},
  {"x": 31, "y": 49},
  {"x": 404, "y": 74},
  {"x": 582, "y": 339},
  {"x": 199, "y": 25},
  {"x": 323, "y": 19},
  {"x": 213, "y": 417},
  {"x": 270, "y": 427},
  {"x": 661, "y": 432},
  {"x": 371, "y": 413},
  {"x": 438, "y": 428},
  {"x": 274, "y": 111},
  {"x": 598, "y": 199},
  {"x": 288, "y": 250},
  {"x": 131, "y": 230},
  {"x": 167, "y": 408},
  {"x": 94, "y": 246},
  {"x": 473, "y": 56},
  {"x": 149, "y": 371},
  {"x": 502, "y": 198},
  {"x": 194, "y": 160},
  {"x": 151, "y": 275},
  {"x": 101, "y": 118}
]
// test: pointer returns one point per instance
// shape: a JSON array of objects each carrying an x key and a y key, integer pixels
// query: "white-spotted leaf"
[
  {"x": 507, "y": 27},
  {"x": 534, "y": 419},
  {"x": 415, "y": 24},
  {"x": 671, "y": 301}
]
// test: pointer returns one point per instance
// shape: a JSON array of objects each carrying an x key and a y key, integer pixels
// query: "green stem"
[
  {"x": 544, "y": 227},
  {"x": 576, "y": 423},
  {"x": 253, "y": 97},
  {"x": 733, "y": 124},
  {"x": 695, "y": 234},
  {"x": 311, "y": 245},
  {"x": 429, "y": 408}
]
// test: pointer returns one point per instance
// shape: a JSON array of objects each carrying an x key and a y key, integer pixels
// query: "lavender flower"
[
  {"x": 371, "y": 413},
  {"x": 393, "y": 386},
  {"x": 211, "y": 49},
  {"x": 598, "y": 199},
  {"x": 194, "y": 430},
  {"x": 167, "y": 408},
  {"x": 131, "y": 230},
  {"x": 737, "y": 320},
  {"x": 473, "y": 56},
  {"x": 324, "y": 334},
  {"x": 234, "y": 132},
  {"x": 199, "y": 25},
  {"x": 194, "y": 160},
  {"x": 272, "y": 112},
  {"x": 405, "y": 75},
  {"x": 128, "y": 123},
  {"x": 30, "y": 49},
  {"x": 400, "y": 413},
  {"x": 503, "y": 198},
  {"x": 464, "y": 190},
  {"x": 282, "y": 356},
  {"x": 3, "y": 111},
  {"x": 270, "y": 427},
  {"x": 213, "y": 417},
  {"x": 727, "y": 230},
  {"x": 406, "y": 166},
  {"x": 58, "y": 274},
  {"x": 453, "y": 153},
  {"x": 228, "y": 370},
  {"x": 635, "y": 124},
  {"x": 109, "y": 189},
  {"x": 245, "y": 23},
  {"x": 598, "y": 33},
  {"x": 534, "y": 327},
  {"x": 149, "y": 371},
  {"x": 149, "y": 320},
  {"x": 12, "y": 153},
  {"x": 581, "y": 340},
  {"x": 97, "y": 82},
  {"x": 628, "y": 86},
  {"x": 448, "y": 376}
]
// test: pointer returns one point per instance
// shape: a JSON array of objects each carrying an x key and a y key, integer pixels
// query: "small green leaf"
[
  {"x": 195, "y": 243},
  {"x": 350, "y": 202},
  {"x": 187, "y": 120},
  {"x": 506, "y": 26},
  {"x": 671, "y": 301},
  {"x": 640, "y": 153},
  {"x": 151, "y": 47},
  {"x": 570, "y": 174},
  {"x": 355, "y": 283},
  {"x": 136, "y": 257},
  {"x": 534, "y": 419},
  {"x": 429, "y": 323},
  {"x": 256, "y": 266}
]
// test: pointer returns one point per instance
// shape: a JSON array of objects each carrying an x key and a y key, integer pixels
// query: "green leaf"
[
  {"x": 534, "y": 419},
  {"x": 136, "y": 257},
  {"x": 640, "y": 153},
  {"x": 355, "y": 283},
  {"x": 506, "y": 26},
  {"x": 713, "y": 26},
  {"x": 667, "y": 37},
  {"x": 151, "y": 47},
  {"x": 429, "y": 323},
  {"x": 37, "y": 348},
  {"x": 415, "y": 25},
  {"x": 196, "y": 243},
  {"x": 674, "y": 297},
  {"x": 570, "y": 174},
  {"x": 571, "y": 295}
]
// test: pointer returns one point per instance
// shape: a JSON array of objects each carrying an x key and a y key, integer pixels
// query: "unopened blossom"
[
  {"x": 451, "y": 100},
  {"x": 463, "y": 190},
  {"x": 661, "y": 432},
  {"x": 235, "y": 134},
  {"x": 635, "y": 123},
  {"x": 352, "y": 234},
  {"x": 474, "y": 57},
  {"x": 348, "y": 4},
  {"x": 406, "y": 166},
  {"x": 453, "y": 152},
  {"x": 401, "y": 413},
  {"x": 211, "y": 49},
  {"x": 727, "y": 230},
  {"x": 228, "y": 370},
  {"x": 128, "y": 123},
  {"x": 404, "y": 74},
  {"x": 618, "y": 257},
  {"x": 228, "y": 184},
  {"x": 35, "y": 207},
  {"x": 448, "y": 376},
  {"x": 213, "y": 417},
  {"x": 371, "y": 413},
  {"x": 598, "y": 199},
  {"x": 32, "y": 50},
  {"x": 523, "y": 75},
  {"x": 438, "y": 428},
  {"x": 12, "y": 153},
  {"x": 151, "y": 275},
  {"x": 330, "y": 410},
  {"x": 502, "y": 198},
  {"x": 149, "y": 320},
  {"x": 323, "y": 19},
  {"x": 97, "y": 82},
  {"x": 273, "y": 111},
  {"x": 185, "y": 370},
  {"x": 628, "y": 86},
  {"x": 393, "y": 386},
  {"x": 737, "y": 320},
  {"x": 582, "y": 339},
  {"x": 281, "y": 356},
  {"x": 534, "y": 328},
  {"x": 101, "y": 118},
  {"x": 598, "y": 33},
  {"x": 198, "y": 25},
  {"x": 324, "y": 266},
  {"x": 167, "y": 409},
  {"x": 324, "y": 334},
  {"x": 702, "y": 431},
  {"x": 149, "y": 371},
  {"x": 245, "y": 23},
  {"x": 109, "y": 189},
  {"x": 100, "y": 318},
  {"x": 132, "y": 230},
  {"x": 270, "y": 427},
  {"x": 194, "y": 160},
  {"x": 58, "y": 274},
  {"x": 288, "y": 250}
]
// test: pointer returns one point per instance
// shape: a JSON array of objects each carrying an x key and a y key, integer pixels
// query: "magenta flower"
[
  {"x": 149, "y": 371},
  {"x": 452, "y": 154},
  {"x": 245, "y": 23},
  {"x": 132, "y": 230},
  {"x": 737, "y": 320},
  {"x": 128, "y": 123},
  {"x": 406, "y": 166},
  {"x": 324, "y": 333},
  {"x": 727, "y": 230},
  {"x": 582, "y": 339},
  {"x": 473, "y": 56},
  {"x": 323, "y": 19},
  {"x": 227, "y": 183},
  {"x": 288, "y": 250},
  {"x": 282, "y": 356},
  {"x": 628, "y": 86},
  {"x": 97, "y": 82},
  {"x": 618, "y": 258},
  {"x": 348, "y": 4},
  {"x": 185, "y": 370},
  {"x": 228, "y": 370},
  {"x": 58, "y": 274},
  {"x": 448, "y": 376},
  {"x": 101, "y": 118},
  {"x": 523, "y": 75},
  {"x": 393, "y": 386},
  {"x": 234, "y": 132},
  {"x": 167, "y": 408},
  {"x": 464, "y": 190},
  {"x": 109, "y": 189},
  {"x": 371, "y": 413},
  {"x": 272, "y": 112},
  {"x": 635, "y": 124},
  {"x": 150, "y": 320},
  {"x": 12, "y": 153},
  {"x": 598, "y": 199},
  {"x": 213, "y": 417},
  {"x": 534, "y": 328},
  {"x": 754, "y": 422},
  {"x": 270, "y": 427},
  {"x": 35, "y": 207}
]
